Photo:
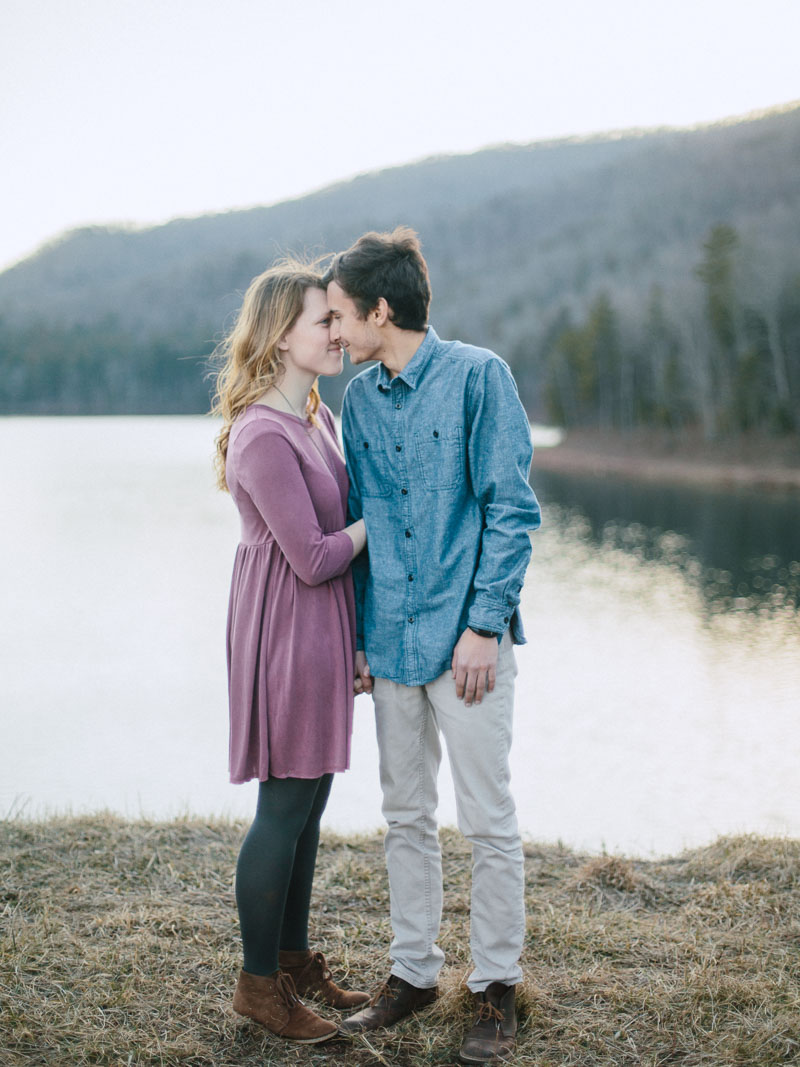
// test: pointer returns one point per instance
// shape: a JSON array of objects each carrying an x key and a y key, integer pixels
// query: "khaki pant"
[{"x": 410, "y": 721}]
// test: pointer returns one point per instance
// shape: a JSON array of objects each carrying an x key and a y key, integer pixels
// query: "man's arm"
[{"x": 499, "y": 452}]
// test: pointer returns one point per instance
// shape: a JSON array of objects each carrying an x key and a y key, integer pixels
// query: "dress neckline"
[{"x": 277, "y": 411}]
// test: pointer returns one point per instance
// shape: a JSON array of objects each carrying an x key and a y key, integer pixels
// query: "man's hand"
[
  {"x": 362, "y": 682},
  {"x": 474, "y": 663}
]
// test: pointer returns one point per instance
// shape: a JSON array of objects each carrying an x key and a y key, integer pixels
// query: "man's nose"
[{"x": 334, "y": 330}]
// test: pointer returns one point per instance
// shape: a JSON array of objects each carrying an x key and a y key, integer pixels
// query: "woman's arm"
[
  {"x": 269, "y": 470},
  {"x": 357, "y": 530}
]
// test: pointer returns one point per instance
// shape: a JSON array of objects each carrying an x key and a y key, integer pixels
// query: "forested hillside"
[{"x": 636, "y": 279}]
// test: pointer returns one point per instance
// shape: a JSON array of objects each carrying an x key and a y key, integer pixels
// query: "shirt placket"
[{"x": 399, "y": 395}]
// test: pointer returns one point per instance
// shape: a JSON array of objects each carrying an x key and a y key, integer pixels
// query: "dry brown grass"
[{"x": 119, "y": 947}]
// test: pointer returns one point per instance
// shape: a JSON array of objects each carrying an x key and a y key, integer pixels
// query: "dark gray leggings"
[{"x": 275, "y": 869}]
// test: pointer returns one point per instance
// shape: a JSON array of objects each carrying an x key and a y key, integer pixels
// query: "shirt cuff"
[{"x": 490, "y": 615}]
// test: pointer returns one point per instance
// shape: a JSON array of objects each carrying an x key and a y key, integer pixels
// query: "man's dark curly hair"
[{"x": 388, "y": 265}]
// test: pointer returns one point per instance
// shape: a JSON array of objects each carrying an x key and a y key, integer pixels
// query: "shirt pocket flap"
[{"x": 440, "y": 454}]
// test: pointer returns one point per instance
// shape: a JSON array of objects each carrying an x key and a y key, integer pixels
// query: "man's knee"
[{"x": 493, "y": 827}]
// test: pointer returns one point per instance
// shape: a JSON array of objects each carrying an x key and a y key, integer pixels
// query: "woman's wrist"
[{"x": 357, "y": 532}]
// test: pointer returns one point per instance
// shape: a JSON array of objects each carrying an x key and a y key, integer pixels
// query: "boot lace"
[
  {"x": 487, "y": 1011},
  {"x": 285, "y": 988},
  {"x": 385, "y": 992},
  {"x": 318, "y": 961}
]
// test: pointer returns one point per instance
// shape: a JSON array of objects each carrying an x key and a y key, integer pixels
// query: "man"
[{"x": 438, "y": 450}]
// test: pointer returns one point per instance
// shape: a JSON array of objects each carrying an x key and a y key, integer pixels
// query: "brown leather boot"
[
  {"x": 312, "y": 978},
  {"x": 493, "y": 1035},
  {"x": 272, "y": 1001},
  {"x": 394, "y": 1001}
]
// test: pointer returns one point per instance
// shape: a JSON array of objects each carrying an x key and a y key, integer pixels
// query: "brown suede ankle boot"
[
  {"x": 312, "y": 977},
  {"x": 273, "y": 1001}
]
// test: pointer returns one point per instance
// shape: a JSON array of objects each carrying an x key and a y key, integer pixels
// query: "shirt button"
[
  {"x": 398, "y": 405},
  {"x": 408, "y": 533},
  {"x": 411, "y": 577},
  {"x": 404, "y": 492},
  {"x": 366, "y": 444},
  {"x": 398, "y": 448},
  {"x": 505, "y": 619},
  {"x": 410, "y": 618},
  {"x": 435, "y": 433}
]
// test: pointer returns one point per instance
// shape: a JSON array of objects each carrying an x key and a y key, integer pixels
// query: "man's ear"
[{"x": 381, "y": 313}]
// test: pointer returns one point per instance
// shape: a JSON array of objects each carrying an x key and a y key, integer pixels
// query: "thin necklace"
[
  {"x": 288, "y": 401},
  {"x": 309, "y": 431}
]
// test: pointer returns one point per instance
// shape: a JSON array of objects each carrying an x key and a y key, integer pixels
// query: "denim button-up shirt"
[{"x": 438, "y": 459}]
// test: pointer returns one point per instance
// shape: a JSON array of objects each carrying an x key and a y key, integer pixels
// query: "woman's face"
[{"x": 308, "y": 344}]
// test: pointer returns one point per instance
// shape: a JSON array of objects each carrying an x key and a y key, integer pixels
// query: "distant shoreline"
[{"x": 749, "y": 462}]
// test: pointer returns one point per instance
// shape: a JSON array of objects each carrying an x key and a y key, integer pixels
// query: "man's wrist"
[{"x": 484, "y": 633}]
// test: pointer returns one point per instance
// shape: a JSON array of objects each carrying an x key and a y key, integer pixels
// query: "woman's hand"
[{"x": 362, "y": 683}]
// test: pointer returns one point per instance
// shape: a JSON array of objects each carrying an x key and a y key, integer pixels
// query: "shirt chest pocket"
[
  {"x": 372, "y": 468},
  {"x": 440, "y": 453}
]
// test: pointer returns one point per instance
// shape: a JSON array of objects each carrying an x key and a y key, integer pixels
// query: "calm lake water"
[{"x": 658, "y": 695}]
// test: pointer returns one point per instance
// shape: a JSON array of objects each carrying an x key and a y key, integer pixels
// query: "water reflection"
[
  {"x": 740, "y": 548},
  {"x": 648, "y": 716},
  {"x": 657, "y": 707}
]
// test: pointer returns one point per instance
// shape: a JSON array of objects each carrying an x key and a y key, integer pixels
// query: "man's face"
[{"x": 360, "y": 337}]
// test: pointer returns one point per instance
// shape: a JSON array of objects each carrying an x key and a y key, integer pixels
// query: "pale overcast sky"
[{"x": 141, "y": 110}]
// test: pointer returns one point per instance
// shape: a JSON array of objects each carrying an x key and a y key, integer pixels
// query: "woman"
[{"x": 291, "y": 632}]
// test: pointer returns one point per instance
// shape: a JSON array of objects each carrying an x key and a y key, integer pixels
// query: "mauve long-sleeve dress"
[{"x": 291, "y": 617}]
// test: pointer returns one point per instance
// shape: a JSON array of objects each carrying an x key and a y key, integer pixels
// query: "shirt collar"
[{"x": 415, "y": 367}]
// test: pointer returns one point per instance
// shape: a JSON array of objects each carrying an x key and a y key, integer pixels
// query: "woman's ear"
[{"x": 283, "y": 344}]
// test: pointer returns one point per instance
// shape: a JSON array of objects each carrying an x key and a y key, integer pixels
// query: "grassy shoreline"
[
  {"x": 680, "y": 459},
  {"x": 119, "y": 945}
]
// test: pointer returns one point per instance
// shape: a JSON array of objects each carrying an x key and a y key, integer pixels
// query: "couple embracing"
[{"x": 398, "y": 574}]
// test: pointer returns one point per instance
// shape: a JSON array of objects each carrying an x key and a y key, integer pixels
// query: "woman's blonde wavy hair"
[{"x": 249, "y": 359}]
